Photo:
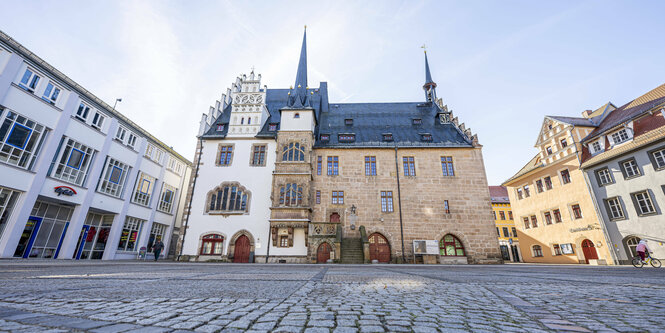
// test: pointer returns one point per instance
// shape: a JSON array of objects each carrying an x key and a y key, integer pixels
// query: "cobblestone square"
[{"x": 61, "y": 296}]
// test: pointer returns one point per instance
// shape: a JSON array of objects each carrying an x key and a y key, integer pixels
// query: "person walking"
[
  {"x": 642, "y": 249},
  {"x": 157, "y": 248}
]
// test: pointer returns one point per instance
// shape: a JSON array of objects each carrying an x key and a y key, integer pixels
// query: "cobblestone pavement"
[{"x": 61, "y": 296}]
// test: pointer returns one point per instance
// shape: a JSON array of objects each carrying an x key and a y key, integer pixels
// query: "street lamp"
[{"x": 116, "y": 102}]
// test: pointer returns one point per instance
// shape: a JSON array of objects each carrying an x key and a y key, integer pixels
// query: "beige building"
[{"x": 555, "y": 215}]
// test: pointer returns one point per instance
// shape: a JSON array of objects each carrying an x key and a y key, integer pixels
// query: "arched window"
[
  {"x": 231, "y": 198},
  {"x": 212, "y": 244},
  {"x": 451, "y": 246},
  {"x": 242, "y": 121},
  {"x": 290, "y": 195},
  {"x": 293, "y": 152},
  {"x": 537, "y": 251},
  {"x": 631, "y": 243}
]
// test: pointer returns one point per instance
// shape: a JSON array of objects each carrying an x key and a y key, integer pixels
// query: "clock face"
[{"x": 245, "y": 99}]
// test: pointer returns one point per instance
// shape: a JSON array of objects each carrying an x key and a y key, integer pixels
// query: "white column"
[
  {"x": 80, "y": 213},
  {"x": 154, "y": 202},
  {"x": 119, "y": 220}
]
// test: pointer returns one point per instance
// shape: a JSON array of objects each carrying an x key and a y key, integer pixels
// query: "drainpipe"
[
  {"x": 189, "y": 206},
  {"x": 269, "y": 241},
  {"x": 399, "y": 205}
]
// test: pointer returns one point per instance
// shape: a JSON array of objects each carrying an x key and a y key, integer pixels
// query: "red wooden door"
[
  {"x": 323, "y": 253},
  {"x": 589, "y": 250},
  {"x": 379, "y": 248},
  {"x": 241, "y": 252}
]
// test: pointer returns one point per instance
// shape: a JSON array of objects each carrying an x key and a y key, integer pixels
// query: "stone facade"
[{"x": 422, "y": 198}]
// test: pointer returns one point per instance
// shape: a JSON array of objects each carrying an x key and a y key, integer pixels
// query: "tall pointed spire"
[
  {"x": 430, "y": 85},
  {"x": 298, "y": 94}
]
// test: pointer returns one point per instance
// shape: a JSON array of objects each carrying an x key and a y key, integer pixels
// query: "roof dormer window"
[
  {"x": 620, "y": 136},
  {"x": 596, "y": 147},
  {"x": 272, "y": 127},
  {"x": 346, "y": 137},
  {"x": 426, "y": 137},
  {"x": 387, "y": 137},
  {"x": 348, "y": 122},
  {"x": 417, "y": 121},
  {"x": 220, "y": 127},
  {"x": 325, "y": 137}
]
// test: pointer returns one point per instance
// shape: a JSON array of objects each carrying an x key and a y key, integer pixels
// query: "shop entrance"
[
  {"x": 93, "y": 237},
  {"x": 44, "y": 231},
  {"x": 504, "y": 252},
  {"x": 516, "y": 253},
  {"x": 589, "y": 250}
]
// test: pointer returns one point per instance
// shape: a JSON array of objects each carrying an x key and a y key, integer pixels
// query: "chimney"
[{"x": 587, "y": 113}]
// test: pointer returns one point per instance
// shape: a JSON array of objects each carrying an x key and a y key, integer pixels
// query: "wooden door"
[
  {"x": 241, "y": 251},
  {"x": 589, "y": 250},
  {"x": 379, "y": 248},
  {"x": 323, "y": 253}
]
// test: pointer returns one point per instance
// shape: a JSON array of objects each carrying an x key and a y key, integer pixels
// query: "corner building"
[
  {"x": 78, "y": 180},
  {"x": 286, "y": 176}
]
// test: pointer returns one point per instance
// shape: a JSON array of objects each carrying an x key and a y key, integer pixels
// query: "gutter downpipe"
[
  {"x": 599, "y": 214},
  {"x": 399, "y": 205},
  {"x": 189, "y": 206}
]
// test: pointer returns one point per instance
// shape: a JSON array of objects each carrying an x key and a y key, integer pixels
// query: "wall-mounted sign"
[
  {"x": 587, "y": 228},
  {"x": 425, "y": 247},
  {"x": 64, "y": 190}
]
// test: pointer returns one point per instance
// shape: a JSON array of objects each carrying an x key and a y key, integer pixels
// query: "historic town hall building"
[{"x": 284, "y": 175}]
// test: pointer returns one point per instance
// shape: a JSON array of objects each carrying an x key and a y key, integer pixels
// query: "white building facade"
[
  {"x": 230, "y": 200},
  {"x": 78, "y": 180}
]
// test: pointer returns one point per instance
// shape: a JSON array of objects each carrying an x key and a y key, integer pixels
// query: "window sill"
[
  {"x": 17, "y": 167},
  {"x": 226, "y": 213},
  {"x": 110, "y": 195},
  {"x": 647, "y": 214},
  {"x": 631, "y": 177},
  {"x": 257, "y": 166},
  {"x": 618, "y": 219},
  {"x": 163, "y": 212},
  {"x": 35, "y": 96},
  {"x": 70, "y": 183}
]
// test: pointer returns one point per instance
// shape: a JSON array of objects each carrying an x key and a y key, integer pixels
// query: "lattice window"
[
  {"x": 451, "y": 246},
  {"x": 231, "y": 198},
  {"x": 73, "y": 162},
  {"x": 143, "y": 189},
  {"x": 294, "y": 151},
  {"x": 20, "y": 139},
  {"x": 113, "y": 177},
  {"x": 166, "y": 198}
]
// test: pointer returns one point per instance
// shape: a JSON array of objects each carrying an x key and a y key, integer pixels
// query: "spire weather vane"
[{"x": 424, "y": 47}]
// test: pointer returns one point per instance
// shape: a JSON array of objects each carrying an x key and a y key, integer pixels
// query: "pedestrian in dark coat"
[{"x": 157, "y": 248}]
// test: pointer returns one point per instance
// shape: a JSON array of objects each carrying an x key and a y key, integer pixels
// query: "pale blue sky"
[{"x": 500, "y": 65}]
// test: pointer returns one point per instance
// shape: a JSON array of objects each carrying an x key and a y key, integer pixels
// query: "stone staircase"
[{"x": 352, "y": 251}]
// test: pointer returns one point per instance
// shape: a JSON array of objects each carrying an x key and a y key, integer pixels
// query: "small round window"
[{"x": 297, "y": 115}]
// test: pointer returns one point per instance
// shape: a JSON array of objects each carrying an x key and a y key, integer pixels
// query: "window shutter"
[
  {"x": 637, "y": 207},
  {"x": 653, "y": 160},
  {"x": 623, "y": 170},
  {"x": 653, "y": 202},
  {"x": 597, "y": 173},
  {"x": 607, "y": 208},
  {"x": 290, "y": 236}
]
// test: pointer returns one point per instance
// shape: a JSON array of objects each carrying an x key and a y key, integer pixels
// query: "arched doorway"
[
  {"x": 379, "y": 249},
  {"x": 323, "y": 253},
  {"x": 589, "y": 250},
  {"x": 241, "y": 252}
]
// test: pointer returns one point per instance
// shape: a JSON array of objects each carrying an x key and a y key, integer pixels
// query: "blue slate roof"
[{"x": 372, "y": 120}]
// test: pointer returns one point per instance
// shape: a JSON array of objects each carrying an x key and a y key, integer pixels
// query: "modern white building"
[{"x": 78, "y": 180}]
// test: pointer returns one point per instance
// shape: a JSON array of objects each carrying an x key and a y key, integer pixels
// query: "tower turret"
[{"x": 430, "y": 85}]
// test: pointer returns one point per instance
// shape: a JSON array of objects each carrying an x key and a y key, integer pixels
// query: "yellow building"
[
  {"x": 505, "y": 224},
  {"x": 556, "y": 216}
]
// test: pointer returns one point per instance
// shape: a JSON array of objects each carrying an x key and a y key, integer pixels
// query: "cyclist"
[{"x": 643, "y": 249}]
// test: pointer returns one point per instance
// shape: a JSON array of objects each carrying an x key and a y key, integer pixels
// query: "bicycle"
[{"x": 638, "y": 263}]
